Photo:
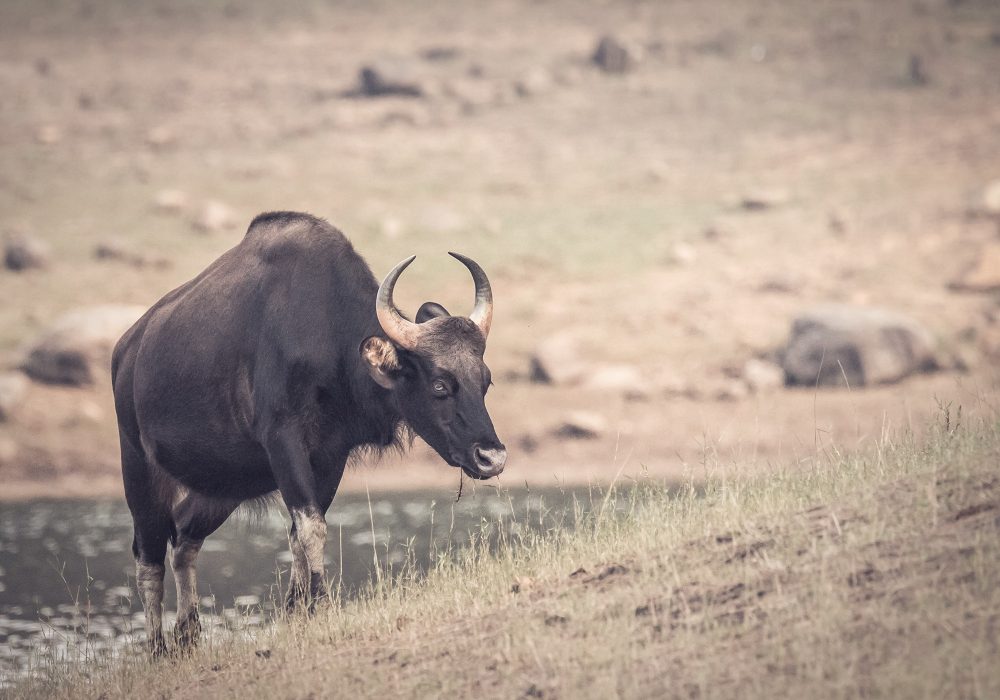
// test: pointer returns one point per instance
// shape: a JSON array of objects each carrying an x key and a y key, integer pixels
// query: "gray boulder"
[
  {"x": 76, "y": 348},
  {"x": 23, "y": 252},
  {"x": 864, "y": 346}
]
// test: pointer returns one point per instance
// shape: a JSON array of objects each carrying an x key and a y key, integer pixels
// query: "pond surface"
[{"x": 67, "y": 577}]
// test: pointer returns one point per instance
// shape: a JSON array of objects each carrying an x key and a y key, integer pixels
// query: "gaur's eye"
[{"x": 440, "y": 388}]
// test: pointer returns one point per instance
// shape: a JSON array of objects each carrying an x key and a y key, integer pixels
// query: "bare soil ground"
[{"x": 606, "y": 205}]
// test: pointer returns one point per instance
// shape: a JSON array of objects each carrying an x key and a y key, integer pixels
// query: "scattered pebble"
[
  {"x": 557, "y": 360},
  {"x": 990, "y": 199},
  {"x": 24, "y": 252},
  {"x": 582, "y": 425},
  {"x": 170, "y": 201},
  {"x": 761, "y": 199},
  {"x": 48, "y": 134},
  {"x": 160, "y": 137},
  {"x": 213, "y": 217},
  {"x": 983, "y": 275},
  {"x": 761, "y": 375},
  {"x": 13, "y": 387},
  {"x": 612, "y": 56}
]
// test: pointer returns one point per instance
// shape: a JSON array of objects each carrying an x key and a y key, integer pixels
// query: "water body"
[{"x": 67, "y": 577}]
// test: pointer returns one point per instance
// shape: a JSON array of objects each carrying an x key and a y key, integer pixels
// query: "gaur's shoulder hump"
[{"x": 277, "y": 234}]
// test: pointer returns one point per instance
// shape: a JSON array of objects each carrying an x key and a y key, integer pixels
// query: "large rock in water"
[
  {"x": 865, "y": 346},
  {"x": 76, "y": 349}
]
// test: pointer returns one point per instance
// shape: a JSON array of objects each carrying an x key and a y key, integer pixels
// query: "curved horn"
[
  {"x": 400, "y": 331},
  {"x": 482, "y": 312}
]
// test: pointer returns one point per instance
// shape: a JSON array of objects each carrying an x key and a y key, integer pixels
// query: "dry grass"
[{"x": 867, "y": 575}]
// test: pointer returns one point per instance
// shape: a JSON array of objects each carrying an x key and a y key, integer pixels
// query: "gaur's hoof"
[
  {"x": 157, "y": 646},
  {"x": 187, "y": 631},
  {"x": 300, "y": 599}
]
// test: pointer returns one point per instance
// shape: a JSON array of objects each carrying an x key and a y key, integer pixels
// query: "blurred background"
[{"x": 721, "y": 235}]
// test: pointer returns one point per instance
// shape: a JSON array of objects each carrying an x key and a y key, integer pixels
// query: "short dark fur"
[{"x": 248, "y": 379}]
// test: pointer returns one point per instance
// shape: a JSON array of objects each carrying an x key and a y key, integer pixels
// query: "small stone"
[
  {"x": 90, "y": 412},
  {"x": 214, "y": 216},
  {"x": 48, "y": 134},
  {"x": 8, "y": 451},
  {"x": 612, "y": 56},
  {"x": 916, "y": 71},
  {"x": 779, "y": 284},
  {"x": 683, "y": 254},
  {"x": 408, "y": 115},
  {"x": 761, "y": 375},
  {"x": 657, "y": 171},
  {"x": 730, "y": 390},
  {"x": 582, "y": 425},
  {"x": 557, "y": 360},
  {"x": 440, "y": 53},
  {"x": 389, "y": 77},
  {"x": 758, "y": 200},
  {"x": 674, "y": 384},
  {"x": 472, "y": 95},
  {"x": 836, "y": 223},
  {"x": 23, "y": 252},
  {"x": 160, "y": 137},
  {"x": 536, "y": 81},
  {"x": 118, "y": 250},
  {"x": 113, "y": 249},
  {"x": 984, "y": 273},
  {"x": 622, "y": 379},
  {"x": 13, "y": 387},
  {"x": 990, "y": 200},
  {"x": 170, "y": 201}
]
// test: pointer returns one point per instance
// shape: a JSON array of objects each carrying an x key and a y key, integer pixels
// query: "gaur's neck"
[{"x": 377, "y": 408}]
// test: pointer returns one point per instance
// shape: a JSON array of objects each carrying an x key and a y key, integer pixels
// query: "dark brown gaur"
[{"x": 266, "y": 373}]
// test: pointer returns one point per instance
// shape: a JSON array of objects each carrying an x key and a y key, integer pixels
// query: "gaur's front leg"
[{"x": 307, "y": 493}]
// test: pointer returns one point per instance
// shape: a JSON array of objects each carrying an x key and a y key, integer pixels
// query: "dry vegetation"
[
  {"x": 600, "y": 204},
  {"x": 866, "y": 576},
  {"x": 605, "y": 205}
]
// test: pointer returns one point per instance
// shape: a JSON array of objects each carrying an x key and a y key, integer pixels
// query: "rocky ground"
[{"x": 668, "y": 199}]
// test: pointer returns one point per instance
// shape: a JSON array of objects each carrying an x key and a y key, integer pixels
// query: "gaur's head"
[{"x": 435, "y": 371}]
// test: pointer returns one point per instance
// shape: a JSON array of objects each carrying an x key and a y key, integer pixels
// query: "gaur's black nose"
[{"x": 490, "y": 460}]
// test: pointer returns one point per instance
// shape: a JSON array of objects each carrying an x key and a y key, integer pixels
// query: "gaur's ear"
[
  {"x": 381, "y": 361},
  {"x": 429, "y": 310}
]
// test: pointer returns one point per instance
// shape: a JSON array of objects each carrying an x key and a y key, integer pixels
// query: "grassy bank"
[{"x": 872, "y": 575}]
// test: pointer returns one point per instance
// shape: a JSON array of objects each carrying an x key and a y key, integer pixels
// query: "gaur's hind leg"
[
  {"x": 195, "y": 518},
  {"x": 152, "y": 525}
]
